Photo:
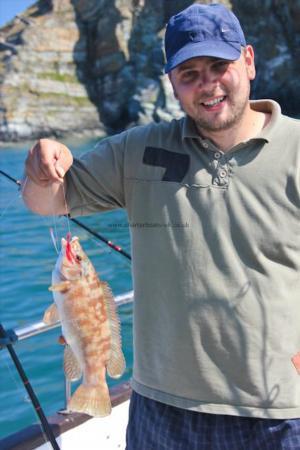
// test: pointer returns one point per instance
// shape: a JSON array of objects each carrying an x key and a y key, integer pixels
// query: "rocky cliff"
[{"x": 96, "y": 66}]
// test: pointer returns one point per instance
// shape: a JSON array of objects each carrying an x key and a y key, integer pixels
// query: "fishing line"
[
  {"x": 13, "y": 377},
  {"x": 53, "y": 232},
  {"x": 26, "y": 398},
  {"x": 94, "y": 233},
  {"x": 54, "y": 239},
  {"x": 66, "y": 208},
  {"x": 10, "y": 203},
  {"x": 18, "y": 195},
  {"x": 6, "y": 340},
  {"x": 2, "y": 355}
]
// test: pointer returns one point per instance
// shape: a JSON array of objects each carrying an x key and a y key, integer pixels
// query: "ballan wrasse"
[{"x": 86, "y": 308}]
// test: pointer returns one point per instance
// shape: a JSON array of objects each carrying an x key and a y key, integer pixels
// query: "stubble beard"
[{"x": 233, "y": 118}]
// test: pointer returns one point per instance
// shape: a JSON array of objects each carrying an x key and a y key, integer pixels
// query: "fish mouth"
[{"x": 73, "y": 239}]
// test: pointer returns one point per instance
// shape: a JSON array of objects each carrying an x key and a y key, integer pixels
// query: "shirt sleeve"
[{"x": 95, "y": 181}]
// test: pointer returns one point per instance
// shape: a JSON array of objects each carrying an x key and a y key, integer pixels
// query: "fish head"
[{"x": 73, "y": 263}]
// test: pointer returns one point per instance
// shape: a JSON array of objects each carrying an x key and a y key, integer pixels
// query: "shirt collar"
[
  {"x": 189, "y": 128},
  {"x": 267, "y": 106}
]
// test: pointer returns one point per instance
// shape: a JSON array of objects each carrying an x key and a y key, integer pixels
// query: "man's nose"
[{"x": 206, "y": 78}]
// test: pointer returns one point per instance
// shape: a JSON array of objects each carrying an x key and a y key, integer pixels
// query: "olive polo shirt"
[{"x": 215, "y": 246}]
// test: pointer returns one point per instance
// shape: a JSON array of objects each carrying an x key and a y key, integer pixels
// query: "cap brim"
[{"x": 220, "y": 49}]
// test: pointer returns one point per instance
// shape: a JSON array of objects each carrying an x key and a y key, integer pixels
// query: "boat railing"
[{"x": 36, "y": 328}]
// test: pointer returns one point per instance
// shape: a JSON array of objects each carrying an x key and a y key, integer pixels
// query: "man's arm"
[{"x": 44, "y": 186}]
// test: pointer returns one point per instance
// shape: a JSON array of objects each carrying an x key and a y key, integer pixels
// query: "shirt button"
[
  {"x": 217, "y": 155},
  {"x": 223, "y": 173},
  {"x": 223, "y": 182},
  {"x": 205, "y": 144},
  {"x": 214, "y": 164}
]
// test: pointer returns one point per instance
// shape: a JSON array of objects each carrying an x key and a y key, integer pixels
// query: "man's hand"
[
  {"x": 47, "y": 162},
  {"x": 45, "y": 168}
]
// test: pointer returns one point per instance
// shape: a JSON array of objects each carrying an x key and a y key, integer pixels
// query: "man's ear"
[
  {"x": 249, "y": 59},
  {"x": 170, "y": 79}
]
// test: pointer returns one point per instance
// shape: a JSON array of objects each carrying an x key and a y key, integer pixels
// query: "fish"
[{"x": 91, "y": 328}]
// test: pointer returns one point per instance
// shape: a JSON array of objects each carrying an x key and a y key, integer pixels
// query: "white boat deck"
[
  {"x": 76, "y": 431},
  {"x": 106, "y": 433}
]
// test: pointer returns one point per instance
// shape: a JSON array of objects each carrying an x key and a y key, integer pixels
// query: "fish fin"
[
  {"x": 116, "y": 364},
  {"x": 72, "y": 367},
  {"x": 60, "y": 287},
  {"x": 91, "y": 400},
  {"x": 51, "y": 315}
]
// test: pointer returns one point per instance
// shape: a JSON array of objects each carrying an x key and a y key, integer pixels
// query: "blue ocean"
[{"x": 27, "y": 257}]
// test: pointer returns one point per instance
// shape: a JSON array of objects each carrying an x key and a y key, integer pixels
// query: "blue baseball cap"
[{"x": 203, "y": 30}]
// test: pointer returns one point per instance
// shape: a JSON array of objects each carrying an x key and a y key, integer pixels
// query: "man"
[{"x": 216, "y": 312}]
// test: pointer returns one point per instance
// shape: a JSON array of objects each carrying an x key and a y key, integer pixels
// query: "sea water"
[{"x": 27, "y": 259}]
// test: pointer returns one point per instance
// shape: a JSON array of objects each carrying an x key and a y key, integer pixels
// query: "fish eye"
[{"x": 78, "y": 257}]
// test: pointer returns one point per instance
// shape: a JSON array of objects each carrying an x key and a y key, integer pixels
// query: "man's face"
[{"x": 213, "y": 91}]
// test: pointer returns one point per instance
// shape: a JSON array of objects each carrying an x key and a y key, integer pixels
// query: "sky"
[{"x": 9, "y": 8}]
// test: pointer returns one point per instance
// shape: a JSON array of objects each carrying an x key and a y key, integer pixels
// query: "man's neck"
[{"x": 250, "y": 125}]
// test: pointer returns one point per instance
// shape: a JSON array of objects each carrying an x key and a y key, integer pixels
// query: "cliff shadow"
[{"x": 101, "y": 61}]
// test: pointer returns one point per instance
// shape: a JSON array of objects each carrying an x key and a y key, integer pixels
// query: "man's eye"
[
  {"x": 221, "y": 65},
  {"x": 187, "y": 77}
]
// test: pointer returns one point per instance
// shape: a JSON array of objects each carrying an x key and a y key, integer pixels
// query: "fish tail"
[{"x": 91, "y": 400}]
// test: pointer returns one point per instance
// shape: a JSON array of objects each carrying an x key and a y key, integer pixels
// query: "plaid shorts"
[{"x": 155, "y": 426}]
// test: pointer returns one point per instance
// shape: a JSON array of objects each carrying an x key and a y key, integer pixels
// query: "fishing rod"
[
  {"x": 7, "y": 338},
  {"x": 94, "y": 233}
]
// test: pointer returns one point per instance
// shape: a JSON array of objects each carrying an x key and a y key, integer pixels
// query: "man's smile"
[{"x": 214, "y": 104}]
